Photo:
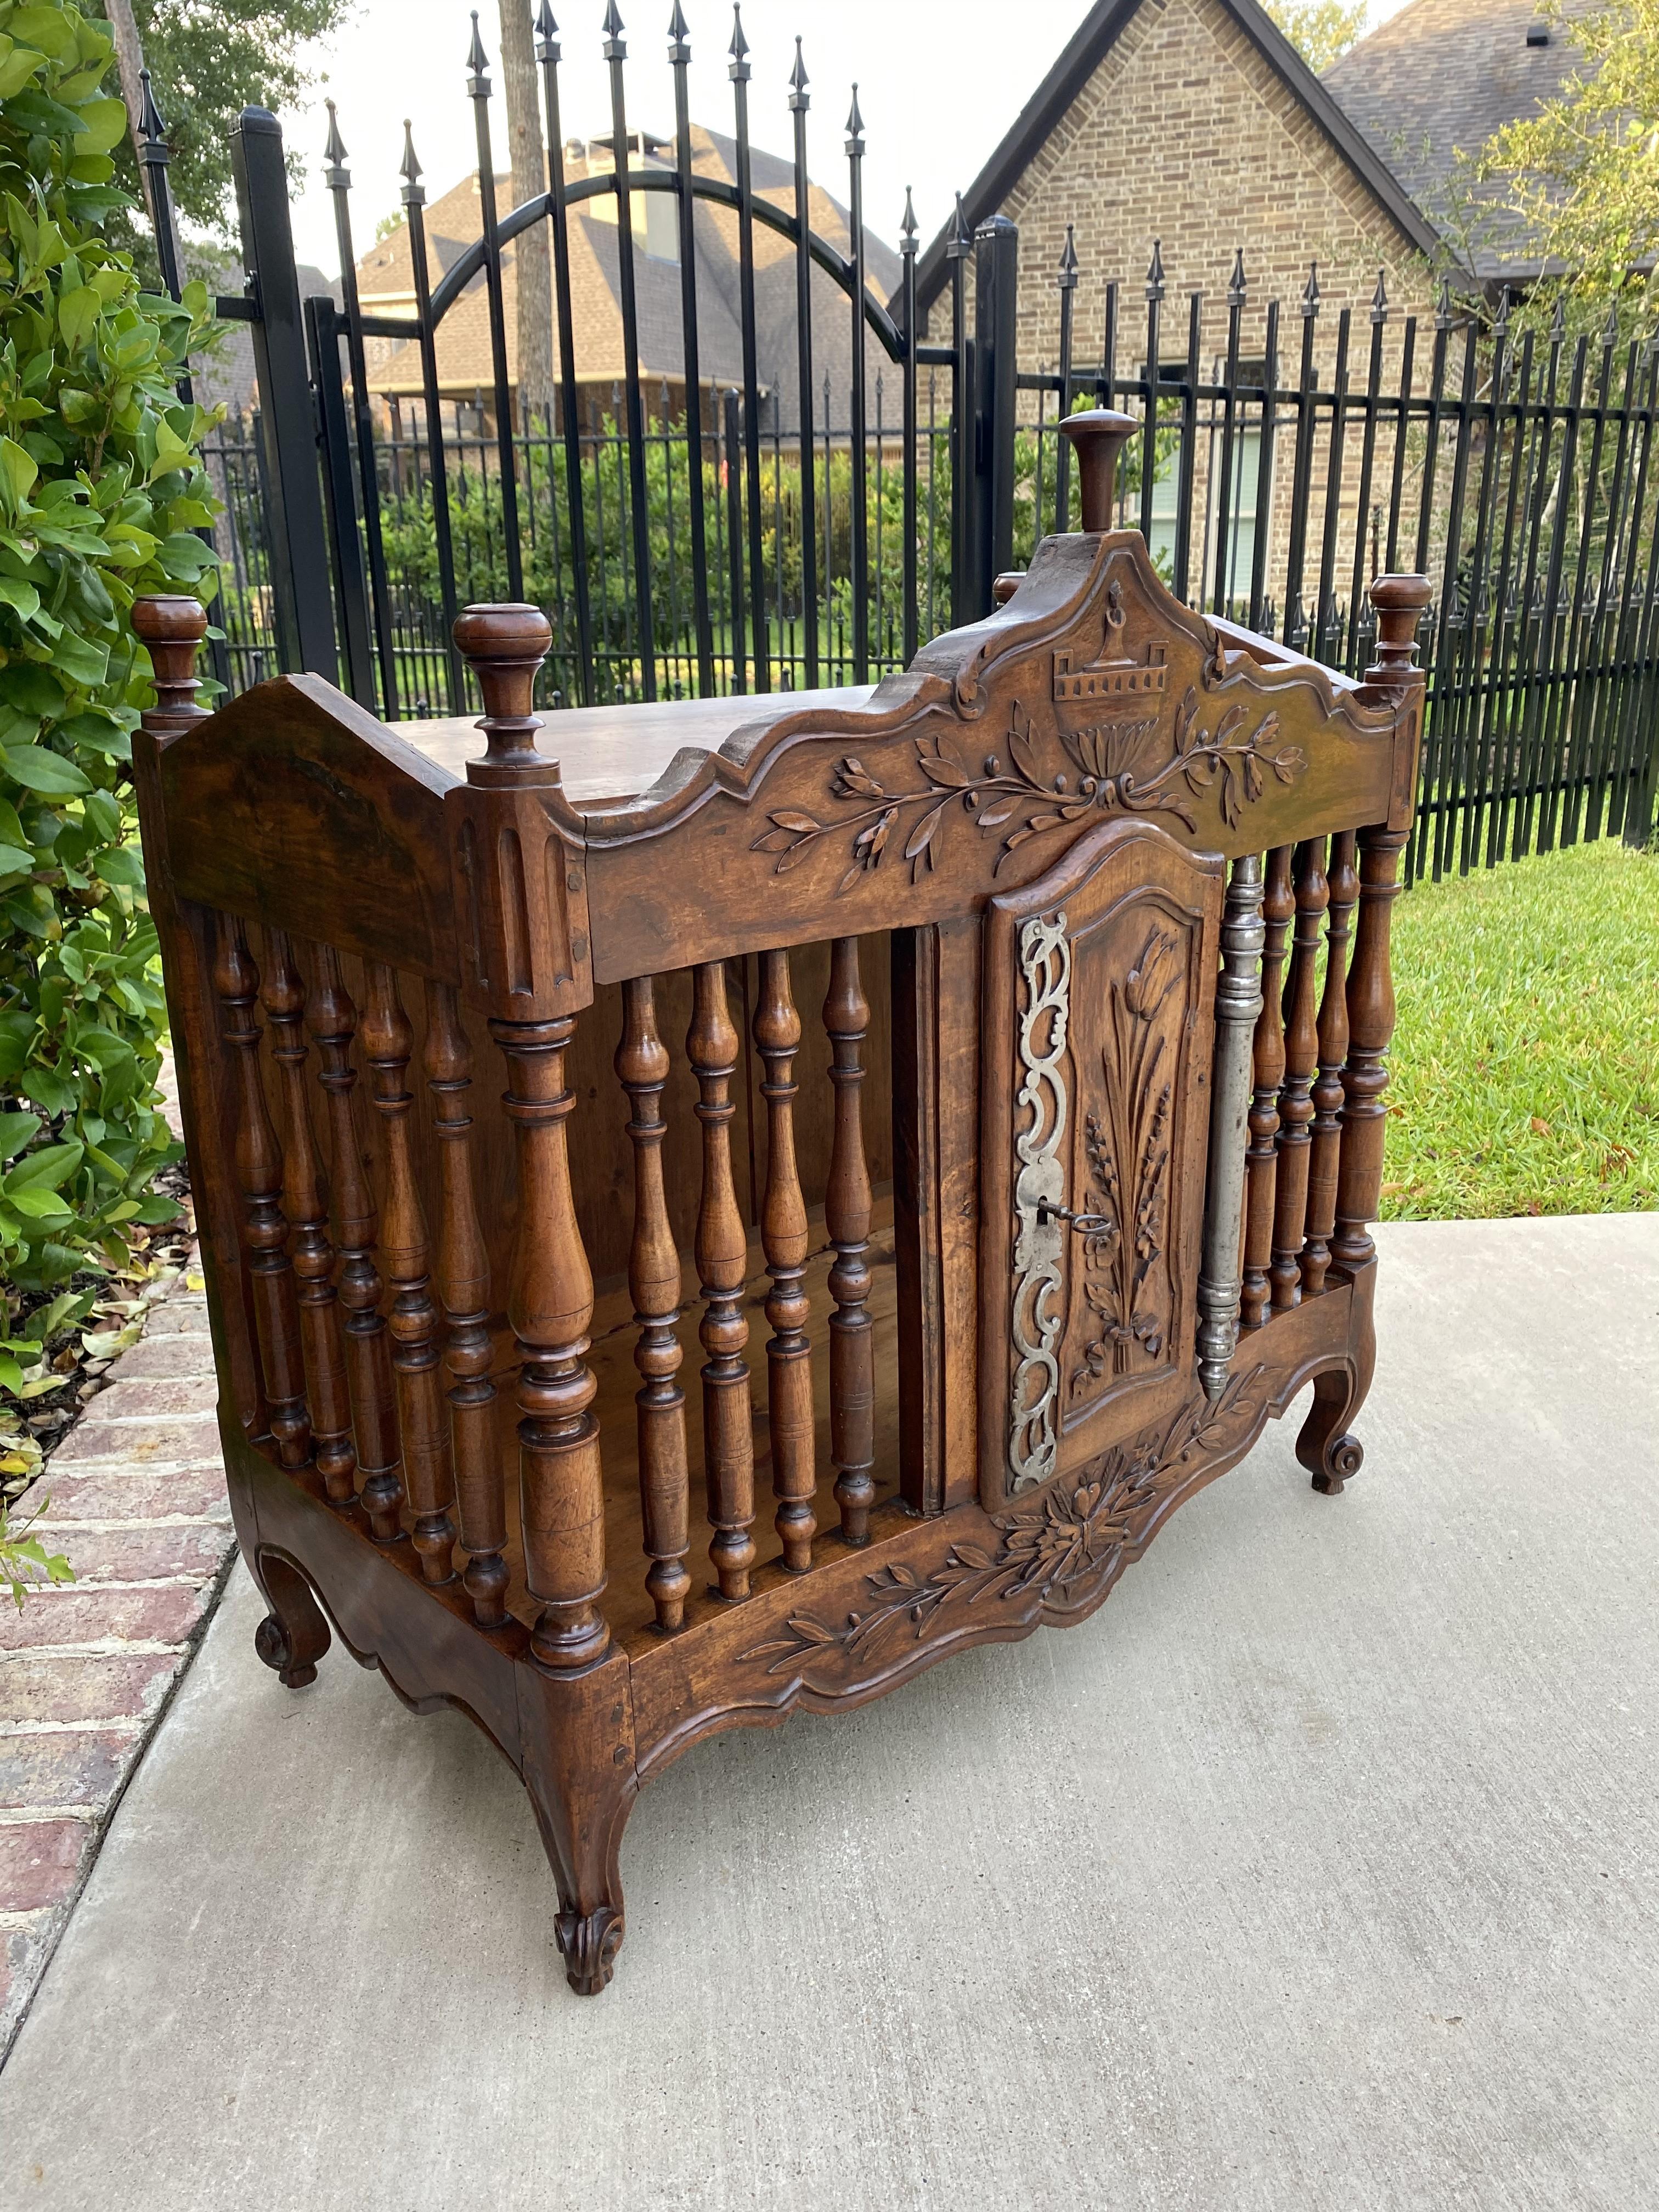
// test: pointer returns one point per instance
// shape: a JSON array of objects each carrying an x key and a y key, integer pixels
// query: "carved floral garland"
[
  {"x": 1066, "y": 1539},
  {"x": 1102, "y": 780}
]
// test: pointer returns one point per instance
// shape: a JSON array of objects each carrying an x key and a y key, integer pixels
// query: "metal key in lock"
[{"x": 1083, "y": 1225}]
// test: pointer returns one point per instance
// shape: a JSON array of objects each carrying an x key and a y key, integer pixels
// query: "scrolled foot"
[
  {"x": 590, "y": 1942},
  {"x": 271, "y": 1643},
  {"x": 1327, "y": 1447},
  {"x": 1343, "y": 1457},
  {"x": 293, "y": 1636}
]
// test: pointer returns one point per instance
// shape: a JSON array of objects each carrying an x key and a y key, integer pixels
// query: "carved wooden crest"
[
  {"x": 1091, "y": 697},
  {"x": 1098, "y": 979}
]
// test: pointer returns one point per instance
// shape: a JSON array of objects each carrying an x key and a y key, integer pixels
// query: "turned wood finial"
[
  {"x": 1400, "y": 601},
  {"x": 1099, "y": 435},
  {"x": 172, "y": 626},
  {"x": 504, "y": 646}
]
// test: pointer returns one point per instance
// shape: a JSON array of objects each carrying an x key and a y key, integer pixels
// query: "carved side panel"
[{"x": 1099, "y": 999}]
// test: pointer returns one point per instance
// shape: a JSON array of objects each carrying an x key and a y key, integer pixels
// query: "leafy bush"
[{"x": 100, "y": 491}]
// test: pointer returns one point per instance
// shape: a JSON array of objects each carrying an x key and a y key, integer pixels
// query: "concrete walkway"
[{"x": 1320, "y": 1869}]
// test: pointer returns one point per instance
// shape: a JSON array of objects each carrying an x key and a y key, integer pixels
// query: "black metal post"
[
  {"x": 679, "y": 56},
  {"x": 858, "y": 565},
  {"x": 912, "y": 338},
  {"x": 323, "y": 337},
  {"x": 547, "y": 53},
  {"x": 996, "y": 258},
  {"x": 478, "y": 86},
  {"x": 337, "y": 178},
  {"x": 1066, "y": 280},
  {"x": 299, "y": 549}
]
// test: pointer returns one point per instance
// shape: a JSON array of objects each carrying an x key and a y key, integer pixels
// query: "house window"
[{"x": 1241, "y": 494}]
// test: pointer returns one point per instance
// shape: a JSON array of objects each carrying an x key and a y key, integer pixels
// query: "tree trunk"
[
  {"x": 129, "y": 60},
  {"x": 533, "y": 267}
]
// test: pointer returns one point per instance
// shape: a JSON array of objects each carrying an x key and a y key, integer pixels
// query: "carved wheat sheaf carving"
[
  {"x": 1036, "y": 786},
  {"x": 1128, "y": 1157},
  {"x": 1059, "y": 1548}
]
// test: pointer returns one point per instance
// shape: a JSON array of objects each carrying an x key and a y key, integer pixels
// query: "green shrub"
[{"x": 100, "y": 491}]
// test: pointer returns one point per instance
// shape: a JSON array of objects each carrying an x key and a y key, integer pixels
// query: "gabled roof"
[
  {"x": 1437, "y": 80},
  {"x": 1082, "y": 56}
]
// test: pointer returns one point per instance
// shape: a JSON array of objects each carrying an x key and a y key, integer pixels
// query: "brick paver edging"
[{"x": 87, "y": 1669}]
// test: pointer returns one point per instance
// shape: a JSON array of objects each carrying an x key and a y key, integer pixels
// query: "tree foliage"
[
  {"x": 1584, "y": 173},
  {"x": 100, "y": 491},
  {"x": 207, "y": 60},
  {"x": 1320, "y": 30}
]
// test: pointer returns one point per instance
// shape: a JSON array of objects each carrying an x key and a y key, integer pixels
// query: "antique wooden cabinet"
[{"x": 954, "y": 1108}]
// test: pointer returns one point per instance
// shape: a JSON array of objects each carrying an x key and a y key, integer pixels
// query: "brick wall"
[{"x": 1185, "y": 134}]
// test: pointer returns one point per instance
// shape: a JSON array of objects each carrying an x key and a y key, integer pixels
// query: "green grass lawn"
[{"x": 1526, "y": 1061}]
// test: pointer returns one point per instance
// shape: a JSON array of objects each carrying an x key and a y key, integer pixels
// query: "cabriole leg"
[
  {"x": 294, "y": 1635},
  {"x": 577, "y": 1737}
]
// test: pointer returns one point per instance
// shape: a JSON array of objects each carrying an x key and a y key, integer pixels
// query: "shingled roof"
[
  {"x": 385, "y": 274},
  {"x": 1076, "y": 61},
  {"x": 1436, "y": 80}
]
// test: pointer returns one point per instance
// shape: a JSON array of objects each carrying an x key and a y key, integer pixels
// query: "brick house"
[{"x": 1196, "y": 125}]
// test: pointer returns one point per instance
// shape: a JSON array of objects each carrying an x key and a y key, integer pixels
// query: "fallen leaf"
[{"x": 1540, "y": 1126}]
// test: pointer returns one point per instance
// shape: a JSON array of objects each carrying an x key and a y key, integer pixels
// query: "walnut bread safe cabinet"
[{"x": 716, "y": 1222}]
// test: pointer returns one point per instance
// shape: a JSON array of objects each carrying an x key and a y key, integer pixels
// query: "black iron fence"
[{"x": 736, "y": 540}]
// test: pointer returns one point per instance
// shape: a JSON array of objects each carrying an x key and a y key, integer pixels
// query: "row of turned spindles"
[
  {"x": 396, "y": 1406},
  {"x": 1313, "y": 1166}
]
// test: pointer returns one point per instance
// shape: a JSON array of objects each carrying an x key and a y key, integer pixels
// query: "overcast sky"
[{"x": 939, "y": 81}]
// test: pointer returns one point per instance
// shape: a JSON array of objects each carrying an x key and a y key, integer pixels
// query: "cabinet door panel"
[{"x": 1097, "y": 1037}]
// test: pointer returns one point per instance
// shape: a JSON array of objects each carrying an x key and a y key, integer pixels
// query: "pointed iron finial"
[
  {"x": 410, "y": 170},
  {"x": 1380, "y": 300},
  {"x": 1067, "y": 279},
  {"x": 1558, "y": 322},
  {"x": 1610, "y": 328},
  {"x": 854, "y": 128},
  {"x": 150, "y": 125},
  {"x": 1236, "y": 285},
  {"x": 1501, "y": 327},
  {"x": 738, "y": 68},
  {"x": 1311, "y": 291},
  {"x": 477, "y": 65},
  {"x": 547, "y": 34},
  {"x": 336, "y": 175},
  {"x": 679, "y": 36},
  {"x": 800, "y": 101},
  {"x": 1445, "y": 313},
  {"x": 614, "y": 48},
  {"x": 1155, "y": 271},
  {"x": 907, "y": 227}
]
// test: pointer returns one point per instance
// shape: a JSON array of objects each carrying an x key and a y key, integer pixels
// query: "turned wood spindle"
[
  {"x": 785, "y": 1240},
  {"x": 423, "y": 1416},
  {"x": 1325, "y": 1150},
  {"x": 846, "y": 1217},
  {"x": 1370, "y": 1011},
  {"x": 1393, "y": 677},
  {"x": 462, "y": 1275},
  {"x": 562, "y": 1482},
  {"x": 1261, "y": 1160},
  {"x": 332, "y": 1020},
  {"x": 653, "y": 1284},
  {"x": 711, "y": 1045},
  {"x": 1296, "y": 1107},
  {"x": 1237, "y": 1008},
  {"x": 265, "y": 1226},
  {"x": 305, "y": 1201},
  {"x": 522, "y": 880}
]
